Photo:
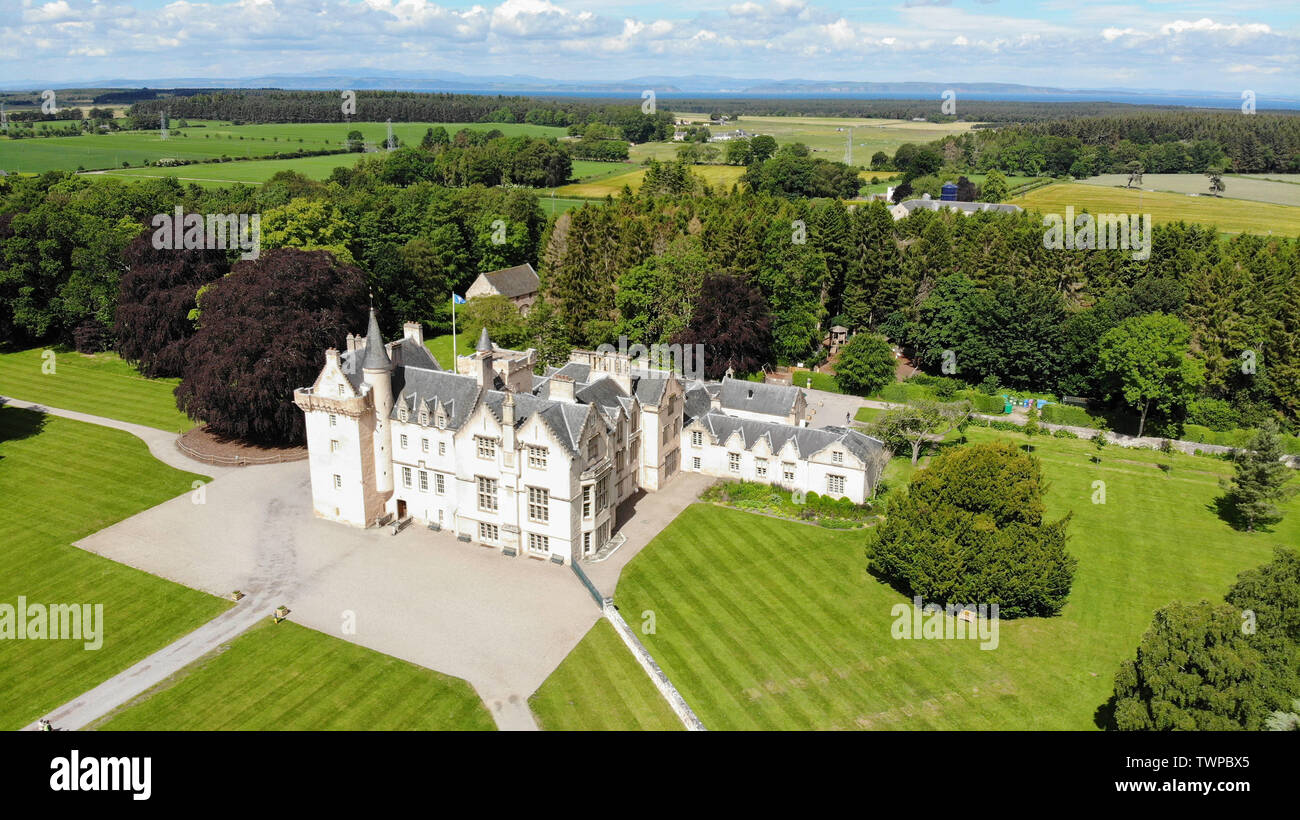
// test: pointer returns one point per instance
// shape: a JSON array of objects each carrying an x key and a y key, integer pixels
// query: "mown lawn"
[
  {"x": 61, "y": 480},
  {"x": 1227, "y": 215},
  {"x": 766, "y": 624},
  {"x": 441, "y": 348},
  {"x": 288, "y": 677},
  {"x": 100, "y": 384},
  {"x": 601, "y": 687}
]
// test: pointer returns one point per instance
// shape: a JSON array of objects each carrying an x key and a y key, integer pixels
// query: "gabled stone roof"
[
  {"x": 521, "y": 280},
  {"x": 758, "y": 397},
  {"x": 807, "y": 440}
]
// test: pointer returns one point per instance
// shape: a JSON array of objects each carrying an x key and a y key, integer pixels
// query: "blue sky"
[{"x": 1164, "y": 44}]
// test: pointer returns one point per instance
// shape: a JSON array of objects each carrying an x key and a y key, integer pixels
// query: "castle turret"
[{"x": 376, "y": 369}]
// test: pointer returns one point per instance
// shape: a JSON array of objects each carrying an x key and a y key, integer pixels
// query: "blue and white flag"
[{"x": 460, "y": 300}]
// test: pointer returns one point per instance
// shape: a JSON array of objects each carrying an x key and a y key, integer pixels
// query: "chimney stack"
[
  {"x": 562, "y": 389},
  {"x": 414, "y": 331},
  {"x": 332, "y": 355},
  {"x": 484, "y": 374}
]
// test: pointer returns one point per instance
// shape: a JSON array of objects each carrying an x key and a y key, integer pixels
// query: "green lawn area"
[
  {"x": 288, "y": 677},
  {"x": 601, "y": 687},
  {"x": 1228, "y": 215},
  {"x": 100, "y": 384},
  {"x": 61, "y": 480},
  {"x": 767, "y": 624},
  {"x": 441, "y": 348},
  {"x": 867, "y": 414}
]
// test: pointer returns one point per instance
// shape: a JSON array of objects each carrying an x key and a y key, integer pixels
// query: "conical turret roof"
[{"x": 376, "y": 356}]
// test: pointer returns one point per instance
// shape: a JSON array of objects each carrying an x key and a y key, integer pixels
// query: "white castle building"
[{"x": 538, "y": 464}]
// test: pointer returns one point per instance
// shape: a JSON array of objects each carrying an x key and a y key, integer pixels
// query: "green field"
[
  {"x": 288, "y": 677},
  {"x": 1255, "y": 189},
  {"x": 601, "y": 687},
  {"x": 762, "y": 626},
  {"x": 62, "y": 480},
  {"x": 252, "y": 172},
  {"x": 1228, "y": 215},
  {"x": 109, "y": 151},
  {"x": 100, "y": 384},
  {"x": 820, "y": 134},
  {"x": 717, "y": 176}
]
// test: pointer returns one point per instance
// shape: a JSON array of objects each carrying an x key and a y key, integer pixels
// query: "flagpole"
[{"x": 454, "y": 367}]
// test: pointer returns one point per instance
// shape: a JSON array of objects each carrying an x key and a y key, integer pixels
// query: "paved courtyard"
[{"x": 503, "y": 624}]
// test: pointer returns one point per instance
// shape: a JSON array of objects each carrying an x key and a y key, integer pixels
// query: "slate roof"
[
  {"x": 410, "y": 353},
  {"x": 697, "y": 401},
  {"x": 648, "y": 387},
  {"x": 565, "y": 420},
  {"x": 807, "y": 440},
  {"x": 376, "y": 358},
  {"x": 521, "y": 280},
  {"x": 758, "y": 397},
  {"x": 416, "y": 385}
]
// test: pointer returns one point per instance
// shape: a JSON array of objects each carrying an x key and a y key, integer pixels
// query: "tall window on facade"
[
  {"x": 335, "y": 446},
  {"x": 338, "y": 481},
  {"x": 402, "y": 438},
  {"x": 487, "y": 494},
  {"x": 424, "y": 481},
  {"x": 760, "y": 467},
  {"x": 539, "y": 504},
  {"x": 593, "y": 448},
  {"x": 539, "y": 544},
  {"x": 442, "y": 448},
  {"x": 835, "y": 484},
  {"x": 695, "y": 463},
  {"x": 602, "y": 493},
  {"x": 537, "y": 457},
  {"x": 406, "y": 476},
  {"x": 487, "y": 447},
  {"x": 586, "y": 501},
  {"x": 733, "y": 462},
  {"x": 440, "y": 483},
  {"x": 424, "y": 445},
  {"x": 697, "y": 438},
  {"x": 334, "y": 420}
]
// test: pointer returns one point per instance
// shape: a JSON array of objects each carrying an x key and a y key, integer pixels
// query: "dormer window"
[
  {"x": 442, "y": 419},
  {"x": 401, "y": 414},
  {"x": 342, "y": 390},
  {"x": 837, "y": 456},
  {"x": 424, "y": 419}
]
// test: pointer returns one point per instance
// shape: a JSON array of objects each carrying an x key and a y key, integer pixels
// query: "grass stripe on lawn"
[
  {"x": 288, "y": 677},
  {"x": 600, "y": 686},
  {"x": 100, "y": 384},
  {"x": 61, "y": 480}
]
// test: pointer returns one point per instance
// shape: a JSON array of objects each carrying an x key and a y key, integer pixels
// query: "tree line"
[
  {"x": 1165, "y": 142},
  {"x": 756, "y": 276},
  {"x": 263, "y": 106}
]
